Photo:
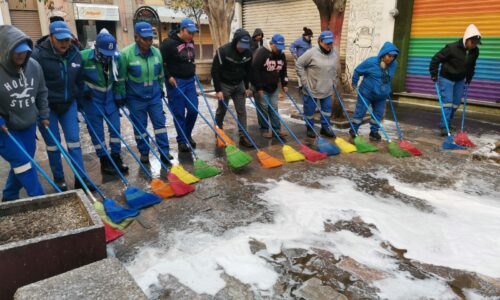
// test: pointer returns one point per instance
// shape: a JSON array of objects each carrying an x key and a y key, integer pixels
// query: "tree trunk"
[
  {"x": 200, "y": 44},
  {"x": 220, "y": 16}
]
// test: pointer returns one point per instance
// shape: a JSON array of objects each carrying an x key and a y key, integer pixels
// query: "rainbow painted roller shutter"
[{"x": 437, "y": 23}]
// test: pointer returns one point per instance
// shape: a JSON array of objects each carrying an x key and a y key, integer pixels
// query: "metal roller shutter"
[
  {"x": 27, "y": 21},
  {"x": 436, "y": 23},
  {"x": 286, "y": 17}
]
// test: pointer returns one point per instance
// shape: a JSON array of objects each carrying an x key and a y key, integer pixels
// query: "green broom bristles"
[
  {"x": 397, "y": 151},
  {"x": 204, "y": 170},
  {"x": 237, "y": 158},
  {"x": 363, "y": 146}
]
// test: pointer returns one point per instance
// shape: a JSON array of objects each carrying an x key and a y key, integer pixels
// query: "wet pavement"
[{"x": 234, "y": 200}]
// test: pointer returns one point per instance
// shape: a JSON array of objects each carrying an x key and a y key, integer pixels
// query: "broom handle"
[
  {"x": 395, "y": 119},
  {"x": 124, "y": 180},
  {"x": 204, "y": 97},
  {"x": 319, "y": 108},
  {"x": 302, "y": 114},
  {"x": 267, "y": 120},
  {"x": 442, "y": 109},
  {"x": 123, "y": 141},
  {"x": 373, "y": 116},
  {"x": 32, "y": 160},
  {"x": 182, "y": 130},
  {"x": 202, "y": 116},
  {"x": 240, "y": 125},
  {"x": 145, "y": 141},
  {"x": 344, "y": 109},
  {"x": 465, "y": 105},
  {"x": 282, "y": 121}
]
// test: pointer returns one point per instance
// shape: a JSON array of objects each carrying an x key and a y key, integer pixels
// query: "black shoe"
[
  {"x": 443, "y": 132},
  {"x": 352, "y": 134},
  {"x": 375, "y": 136},
  {"x": 166, "y": 159},
  {"x": 310, "y": 133},
  {"x": 192, "y": 142},
  {"x": 145, "y": 158},
  {"x": 61, "y": 184},
  {"x": 184, "y": 148},
  {"x": 78, "y": 185},
  {"x": 328, "y": 132},
  {"x": 119, "y": 162},
  {"x": 106, "y": 166},
  {"x": 245, "y": 142}
]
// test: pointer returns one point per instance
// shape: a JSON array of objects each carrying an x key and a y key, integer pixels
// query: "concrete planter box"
[{"x": 45, "y": 236}]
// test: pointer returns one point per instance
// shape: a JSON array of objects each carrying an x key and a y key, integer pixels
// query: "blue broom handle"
[
  {"x": 373, "y": 115},
  {"x": 124, "y": 180},
  {"x": 123, "y": 141},
  {"x": 442, "y": 109},
  {"x": 319, "y": 108},
  {"x": 302, "y": 114},
  {"x": 182, "y": 130},
  {"x": 240, "y": 125},
  {"x": 204, "y": 97},
  {"x": 465, "y": 105},
  {"x": 202, "y": 116},
  {"x": 400, "y": 133},
  {"x": 32, "y": 160},
  {"x": 344, "y": 109},
  {"x": 68, "y": 160},
  {"x": 140, "y": 126},
  {"x": 267, "y": 121},
  {"x": 279, "y": 117}
]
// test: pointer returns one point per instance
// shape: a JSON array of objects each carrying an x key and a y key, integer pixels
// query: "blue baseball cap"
[
  {"x": 189, "y": 25},
  {"x": 106, "y": 44},
  {"x": 394, "y": 53},
  {"x": 279, "y": 41},
  {"x": 244, "y": 42},
  {"x": 60, "y": 30},
  {"x": 22, "y": 47},
  {"x": 326, "y": 37},
  {"x": 144, "y": 29}
]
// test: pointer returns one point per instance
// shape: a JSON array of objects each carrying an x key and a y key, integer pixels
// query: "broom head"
[
  {"x": 292, "y": 155},
  {"x": 312, "y": 155},
  {"x": 137, "y": 198},
  {"x": 99, "y": 208},
  {"x": 220, "y": 143},
  {"x": 111, "y": 233},
  {"x": 267, "y": 161},
  {"x": 162, "y": 189},
  {"x": 237, "y": 158},
  {"x": 410, "y": 148},
  {"x": 180, "y": 188},
  {"x": 449, "y": 144},
  {"x": 363, "y": 146},
  {"x": 203, "y": 170},
  {"x": 117, "y": 213},
  {"x": 345, "y": 147},
  {"x": 462, "y": 139},
  {"x": 184, "y": 175},
  {"x": 396, "y": 151},
  {"x": 325, "y": 146}
]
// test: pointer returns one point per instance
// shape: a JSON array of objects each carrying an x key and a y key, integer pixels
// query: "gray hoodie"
[
  {"x": 23, "y": 95},
  {"x": 317, "y": 71}
]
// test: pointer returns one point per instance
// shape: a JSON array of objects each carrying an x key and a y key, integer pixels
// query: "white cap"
[{"x": 471, "y": 31}]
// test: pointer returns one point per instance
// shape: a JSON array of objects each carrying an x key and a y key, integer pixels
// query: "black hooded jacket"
[
  {"x": 456, "y": 63},
  {"x": 178, "y": 57},
  {"x": 230, "y": 66},
  {"x": 254, "y": 44}
]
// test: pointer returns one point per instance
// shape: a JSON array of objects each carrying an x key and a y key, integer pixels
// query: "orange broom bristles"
[
  {"x": 267, "y": 161},
  {"x": 220, "y": 143},
  {"x": 162, "y": 188}
]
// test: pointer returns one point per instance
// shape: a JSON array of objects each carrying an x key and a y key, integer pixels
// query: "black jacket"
[
  {"x": 254, "y": 44},
  {"x": 268, "y": 69},
  {"x": 230, "y": 66},
  {"x": 456, "y": 63},
  {"x": 178, "y": 57}
]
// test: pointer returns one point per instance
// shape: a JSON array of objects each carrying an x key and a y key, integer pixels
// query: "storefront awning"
[
  {"x": 168, "y": 15},
  {"x": 96, "y": 12}
]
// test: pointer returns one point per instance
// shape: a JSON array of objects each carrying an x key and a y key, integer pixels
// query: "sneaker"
[
  {"x": 443, "y": 131},
  {"x": 352, "y": 134},
  {"x": 310, "y": 133},
  {"x": 61, "y": 184},
  {"x": 192, "y": 142},
  {"x": 245, "y": 142},
  {"x": 375, "y": 136},
  {"x": 184, "y": 148},
  {"x": 166, "y": 159},
  {"x": 78, "y": 185},
  {"x": 145, "y": 158},
  {"x": 119, "y": 162},
  {"x": 106, "y": 166},
  {"x": 267, "y": 134},
  {"x": 328, "y": 132}
]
